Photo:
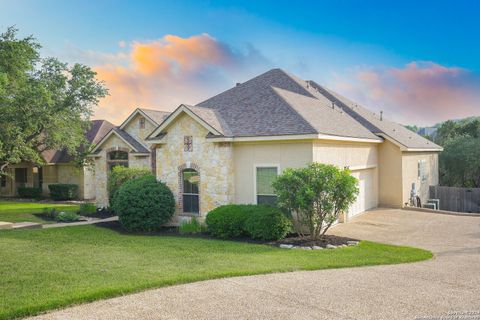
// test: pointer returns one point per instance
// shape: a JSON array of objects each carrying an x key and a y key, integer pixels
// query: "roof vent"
[
  {"x": 238, "y": 83},
  {"x": 381, "y": 115},
  {"x": 333, "y": 104}
]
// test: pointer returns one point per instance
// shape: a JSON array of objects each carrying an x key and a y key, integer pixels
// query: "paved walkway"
[
  {"x": 80, "y": 223},
  {"x": 449, "y": 282}
]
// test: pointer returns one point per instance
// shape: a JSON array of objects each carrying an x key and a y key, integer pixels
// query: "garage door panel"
[{"x": 367, "y": 196}]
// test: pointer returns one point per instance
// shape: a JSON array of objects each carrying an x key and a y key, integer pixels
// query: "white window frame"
[
  {"x": 422, "y": 174},
  {"x": 262, "y": 165}
]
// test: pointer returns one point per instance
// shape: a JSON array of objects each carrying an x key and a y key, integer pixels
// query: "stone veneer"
[
  {"x": 213, "y": 161},
  {"x": 101, "y": 172}
]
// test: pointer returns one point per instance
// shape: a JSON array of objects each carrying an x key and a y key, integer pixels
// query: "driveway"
[{"x": 448, "y": 283}]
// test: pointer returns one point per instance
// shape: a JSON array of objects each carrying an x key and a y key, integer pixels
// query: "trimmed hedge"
[
  {"x": 267, "y": 223},
  {"x": 255, "y": 221},
  {"x": 144, "y": 204},
  {"x": 29, "y": 192},
  {"x": 63, "y": 191},
  {"x": 227, "y": 221}
]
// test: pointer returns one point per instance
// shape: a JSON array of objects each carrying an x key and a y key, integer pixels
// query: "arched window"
[
  {"x": 190, "y": 179},
  {"x": 117, "y": 158}
]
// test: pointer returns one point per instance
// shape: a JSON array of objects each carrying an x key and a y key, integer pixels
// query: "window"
[
  {"x": 422, "y": 170},
  {"x": 20, "y": 175},
  {"x": 188, "y": 143},
  {"x": 264, "y": 179},
  {"x": 141, "y": 123},
  {"x": 190, "y": 199},
  {"x": 117, "y": 158},
  {"x": 3, "y": 181}
]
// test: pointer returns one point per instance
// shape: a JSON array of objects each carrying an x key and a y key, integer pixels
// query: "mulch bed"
[
  {"x": 293, "y": 239},
  {"x": 307, "y": 242}
]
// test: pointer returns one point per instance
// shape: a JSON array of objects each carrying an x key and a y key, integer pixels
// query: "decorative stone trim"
[{"x": 180, "y": 169}]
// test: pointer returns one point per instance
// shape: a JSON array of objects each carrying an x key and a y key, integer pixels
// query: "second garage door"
[{"x": 367, "y": 196}]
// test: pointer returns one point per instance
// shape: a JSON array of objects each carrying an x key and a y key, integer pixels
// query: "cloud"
[
  {"x": 421, "y": 93},
  {"x": 164, "y": 73}
]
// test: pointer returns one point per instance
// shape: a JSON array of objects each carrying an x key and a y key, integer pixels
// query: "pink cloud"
[
  {"x": 420, "y": 93},
  {"x": 164, "y": 73}
]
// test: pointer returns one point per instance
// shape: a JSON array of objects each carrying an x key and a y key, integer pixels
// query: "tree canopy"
[
  {"x": 44, "y": 103},
  {"x": 460, "y": 160}
]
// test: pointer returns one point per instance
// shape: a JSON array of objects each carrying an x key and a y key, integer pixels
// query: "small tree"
[{"x": 315, "y": 196}]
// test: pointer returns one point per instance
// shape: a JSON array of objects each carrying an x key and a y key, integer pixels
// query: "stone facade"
[
  {"x": 213, "y": 161},
  {"x": 101, "y": 168},
  {"x": 134, "y": 129}
]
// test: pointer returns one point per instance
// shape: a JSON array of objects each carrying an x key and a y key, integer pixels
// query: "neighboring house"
[
  {"x": 229, "y": 148},
  {"x": 58, "y": 168}
]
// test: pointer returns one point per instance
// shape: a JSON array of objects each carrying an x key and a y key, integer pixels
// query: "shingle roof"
[
  {"x": 137, "y": 146},
  {"x": 278, "y": 103},
  {"x": 98, "y": 129},
  {"x": 156, "y": 115},
  {"x": 370, "y": 120}
]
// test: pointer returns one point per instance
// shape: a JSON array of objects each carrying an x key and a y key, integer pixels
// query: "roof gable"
[
  {"x": 136, "y": 146},
  {"x": 155, "y": 117},
  {"x": 206, "y": 117}
]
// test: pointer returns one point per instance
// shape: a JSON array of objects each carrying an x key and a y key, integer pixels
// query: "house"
[
  {"x": 58, "y": 168},
  {"x": 229, "y": 148}
]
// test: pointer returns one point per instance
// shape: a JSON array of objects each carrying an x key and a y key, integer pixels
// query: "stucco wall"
[
  {"x": 390, "y": 175},
  {"x": 344, "y": 154},
  {"x": 248, "y": 155},
  {"x": 410, "y": 174},
  {"x": 213, "y": 160},
  {"x": 133, "y": 128},
  {"x": 101, "y": 173}
]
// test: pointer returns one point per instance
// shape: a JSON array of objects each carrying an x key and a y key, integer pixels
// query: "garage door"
[{"x": 367, "y": 197}]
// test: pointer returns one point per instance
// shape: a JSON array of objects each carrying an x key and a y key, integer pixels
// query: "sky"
[{"x": 417, "y": 61}]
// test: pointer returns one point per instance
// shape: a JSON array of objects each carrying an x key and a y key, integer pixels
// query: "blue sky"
[{"x": 416, "y": 60}]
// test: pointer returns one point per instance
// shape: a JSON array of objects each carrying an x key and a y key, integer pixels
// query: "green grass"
[
  {"x": 50, "y": 268},
  {"x": 11, "y": 211}
]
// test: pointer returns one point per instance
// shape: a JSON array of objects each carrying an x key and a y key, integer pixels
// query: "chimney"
[{"x": 381, "y": 115}]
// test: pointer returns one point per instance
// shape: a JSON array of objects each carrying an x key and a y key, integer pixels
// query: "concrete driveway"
[{"x": 448, "y": 283}]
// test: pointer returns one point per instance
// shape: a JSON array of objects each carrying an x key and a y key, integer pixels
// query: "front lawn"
[
  {"x": 50, "y": 268},
  {"x": 13, "y": 211}
]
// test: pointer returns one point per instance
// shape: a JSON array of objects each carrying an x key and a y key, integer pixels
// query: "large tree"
[{"x": 44, "y": 103}]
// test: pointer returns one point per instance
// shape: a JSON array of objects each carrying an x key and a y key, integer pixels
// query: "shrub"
[
  {"x": 315, "y": 196},
  {"x": 144, "y": 204},
  {"x": 29, "y": 192},
  {"x": 267, "y": 223},
  {"x": 192, "y": 226},
  {"x": 119, "y": 175},
  {"x": 63, "y": 191},
  {"x": 228, "y": 221},
  {"x": 67, "y": 217},
  {"x": 88, "y": 208},
  {"x": 50, "y": 213}
]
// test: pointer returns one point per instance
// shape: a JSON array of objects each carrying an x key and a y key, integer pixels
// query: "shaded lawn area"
[
  {"x": 12, "y": 211},
  {"x": 49, "y": 268}
]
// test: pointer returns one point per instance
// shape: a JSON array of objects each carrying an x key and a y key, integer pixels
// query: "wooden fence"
[{"x": 457, "y": 199}]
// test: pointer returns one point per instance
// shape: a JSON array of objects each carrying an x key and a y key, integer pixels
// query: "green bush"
[
  {"x": 50, "y": 213},
  {"x": 228, "y": 221},
  {"x": 67, "y": 217},
  {"x": 29, "y": 192},
  {"x": 267, "y": 223},
  {"x": 193, "y": 226},
  {"x": 119, "y": 175},
  {"x": 144, "y": 204},
  {"x": 88, "y": 208},
  {"x": 63, "y": 191}
]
